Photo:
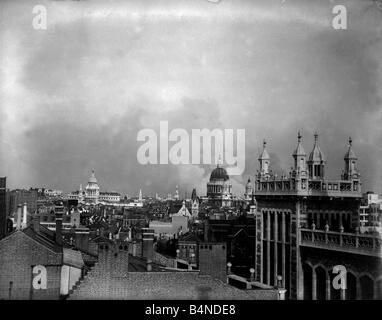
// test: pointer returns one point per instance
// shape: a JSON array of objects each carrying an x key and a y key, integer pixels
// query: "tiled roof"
[
  {"x": 44, "y": 237},
  {"x": 189, "y": 237},
  {"x": 162, "y": 286}
]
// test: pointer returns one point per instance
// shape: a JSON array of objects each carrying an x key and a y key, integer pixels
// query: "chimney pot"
[
  {"x": 36, "y": 223},
  {"x": 58, "y": 215},
  {"x": 19, "y": 214}
]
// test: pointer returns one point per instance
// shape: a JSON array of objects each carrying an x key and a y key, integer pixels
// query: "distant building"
[
  {"x": 248, "y": 191},
  {"x": 370, "y": 213},
  {"x": 21, "y": 196},
  {"x": 92, "y": 194},
  {"x": 111, "y": 197},
  {"x": 183, "y": 211},
  {"x": 52, "y": 193},
  {"x": 213, "y": 259},
  {"x": 219, "y": 188},
  {"x": 188, "y": 249},
  {"x": 3, "y": 206},
  {"x": 92, "y": 190},
  {"x": 239, "y": 234},
  {"x": 176, "y": 197},
  {"x": 194, "y": 204},
  {"x": 168, "y": 229}
]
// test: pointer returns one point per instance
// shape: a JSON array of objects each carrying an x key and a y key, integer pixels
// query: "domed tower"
[
  {"x": 299, "y": 157},
  {"x": 264, "y": 160},
  {"x": 351, "y": 171},
  {"x": 316, "y": 161},
  {"x": 92, "y": 189},
  {"x": 219, "y": 188},
  {"x": 176, "y": 197},
  {"x": 194, "y": 204}
]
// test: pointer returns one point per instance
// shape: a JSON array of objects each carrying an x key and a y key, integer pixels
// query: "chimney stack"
[
  {"x": 147, "y": 246},
  {"x": 36, "y": 223},
  {"x": 25, "y": 212},
  {"x": 19, "y": 215},
  {"x": 58, "y": 215}
]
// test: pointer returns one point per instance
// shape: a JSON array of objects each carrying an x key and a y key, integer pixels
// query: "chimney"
[
  {"x": 147, "y": 246},
  {"x": 206, "y": 227},
  {"x": 19, "y": 216},
  {"x": 36, "y": 223},
  {"x": 25, "y": 212},
  {"x": 82, "y": 240},
  {"x": 58, "y": 227}
]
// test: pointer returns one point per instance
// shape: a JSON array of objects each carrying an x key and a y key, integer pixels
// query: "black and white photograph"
[{"x": 191, "y": 150}]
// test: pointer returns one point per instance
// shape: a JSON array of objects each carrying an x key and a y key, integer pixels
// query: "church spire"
[
  {"x": 264, "y": 160},
  {"x": 350, "y": 158},
  {"x": 220, "y": 161},
  {"x": 299, "y": 156}
]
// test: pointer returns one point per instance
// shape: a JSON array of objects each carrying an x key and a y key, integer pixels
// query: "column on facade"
[
  {"x": 376, "y": 293},
  {"x": 340, "y": 220},
  {"x": 318, "y": 222},
  {"x": 314, "y": 284},
  {"x": 328, "y": 283},
  {"x": 359, "y": 293},
  {"x": 275, "y": 237},
  {"x": 283, "y": 247},
  {"x": 268, "y": 247}
]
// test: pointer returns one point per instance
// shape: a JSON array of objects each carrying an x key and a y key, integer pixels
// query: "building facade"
[
  {"x": 3, "y": 206},
  {"x": 92, "y": 194},
  {"x": 293, "y": 208},
  {"x": 19, "y": 197},
  {"x": 219, "y": 188}
]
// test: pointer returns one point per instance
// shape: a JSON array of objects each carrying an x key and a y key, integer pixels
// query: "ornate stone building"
[
  {"x": 92, "y": 194},
  {"x": 219, "y": 188},
  {"x": 307, "y": 224}
]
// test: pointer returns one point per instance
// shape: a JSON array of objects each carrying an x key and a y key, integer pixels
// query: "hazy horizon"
[{"x": 73, "y": 97}]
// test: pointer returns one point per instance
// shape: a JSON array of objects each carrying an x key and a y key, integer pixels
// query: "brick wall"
[
  {"x": 18, "y": 255},
  {"x": 163, "y": 261},
  {"x": 213, "y": 260}
]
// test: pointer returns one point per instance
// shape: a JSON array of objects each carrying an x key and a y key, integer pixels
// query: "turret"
[
  {"x": 299, "y": 157},
  {"x": 350, "y": 158},
  {"x": 248, "y": 190},
  {"x": 264, "y": 160},
  {"x": 316, "y": 161}
]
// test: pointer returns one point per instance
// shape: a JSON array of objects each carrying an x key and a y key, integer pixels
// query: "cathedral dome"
[
  {"x": 219, "y": 174},
  {"x": 92, "y": 183},
  {"x": 92, "y": 178}
]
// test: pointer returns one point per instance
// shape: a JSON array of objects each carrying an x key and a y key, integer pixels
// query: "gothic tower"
[
  {"x": 264, "y": 161},
  {"x": 350, "y": 158},
  {"x": 316, "y": 161},
  {"x": 299, "y": 157}
]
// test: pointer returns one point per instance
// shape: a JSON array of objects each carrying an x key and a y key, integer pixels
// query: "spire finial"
[
  {"x": 219, "y": 161},
  {"x": 350, "y": 141},
  {"x": 264, "y": 143},
  {"x": 299, "y": 136},
  {"x": 315, "y": 136}
]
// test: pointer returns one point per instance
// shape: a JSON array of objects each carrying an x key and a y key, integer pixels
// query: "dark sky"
[{"x": 73, "y": 97}]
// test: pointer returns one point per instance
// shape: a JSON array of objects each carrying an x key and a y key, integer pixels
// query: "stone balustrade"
[{"x": 350, "y": 242}]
